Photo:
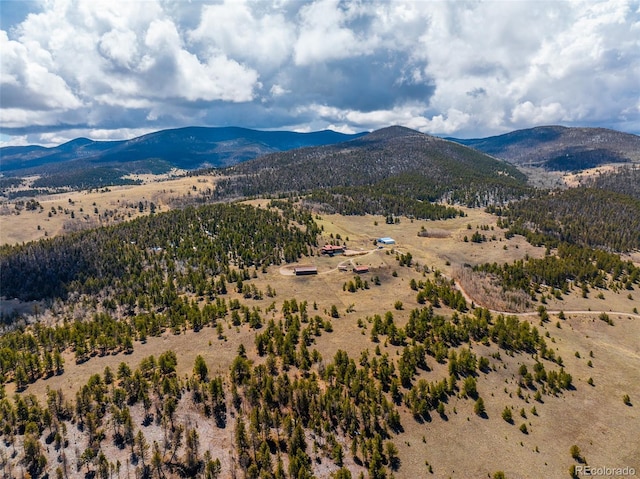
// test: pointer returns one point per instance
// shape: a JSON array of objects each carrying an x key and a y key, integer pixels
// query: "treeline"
[
  {"x": 590, "y": 217},
  {"x": 85, "y": 178},
  {"x": 157, "y": 256},
  {"x": 439, "y": 334},
  {"x": 571, "y": 264},
  {"x": 444, "y": 339},
  {"x": 374, "y": 200},
  {"x": 439, "y": 291},
  {"x": 30, "y": 193},
  {"x": 10, "y": 182},
  {"x": 30, "y": 353}
]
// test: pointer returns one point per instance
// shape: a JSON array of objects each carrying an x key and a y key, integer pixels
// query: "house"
[
  {"x": 361, "y": 269},
  {"x": 305, "y": 270},
  {"x": 386, "y": 240},
  {"x": 332, "y": 249}
]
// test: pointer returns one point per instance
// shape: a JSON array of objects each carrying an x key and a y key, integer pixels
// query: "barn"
[
  {"x": 386, "y": 240},
  {"x": 305, "y": 270},
  {"x": 361, "y": 269}
]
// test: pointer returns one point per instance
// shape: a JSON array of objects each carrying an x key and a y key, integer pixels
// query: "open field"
[
  {"x": 75, "y": 210},
  {"x": 460, "y": 444},
  {"x": 579, "y": 178},
  {"x": 550, "y": 179}
]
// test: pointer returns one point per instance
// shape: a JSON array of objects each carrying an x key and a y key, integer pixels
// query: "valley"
[{"x": 182, "y": 345}]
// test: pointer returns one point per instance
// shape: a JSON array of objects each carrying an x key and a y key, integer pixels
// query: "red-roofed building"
[
  {"x": 361, "y": 269},
  {"x": 332, "y": 249}
]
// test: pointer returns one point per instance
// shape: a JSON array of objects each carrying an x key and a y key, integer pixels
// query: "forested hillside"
[
  {"x": 561, "y": 148},
  {"x": 83, "y": 164},
  {"x": 625, "y": 181},
  {"x": 388, "y": 171},
  {"x": 281, "y": 410},
  {"x": 189, "y": 246},
  {"x": 583, "y": 229},
  {"x": 586, "y": 216}
]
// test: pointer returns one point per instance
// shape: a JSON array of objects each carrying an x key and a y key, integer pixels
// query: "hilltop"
[
  {"x": 560, "y": 148},
  {"x": 393, "y": 162}
]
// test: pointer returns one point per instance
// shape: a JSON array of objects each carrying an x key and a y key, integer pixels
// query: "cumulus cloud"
[
  {"x": 262, "y": 38},
  {"x": 325, "y": 33},
  {"x": 119, "y": 47},
  {"x": 170, "y": 71},
  {"x": 528, "y": 113},
  {"x": 451, "y": 68},
  {"x": 28, "y": 81}
]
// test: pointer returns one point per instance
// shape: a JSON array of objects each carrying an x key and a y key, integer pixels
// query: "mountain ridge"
[
  {"x": 393, "y": 161},
  {"x": 560, "y": 148},
  {"x": 188, "y": 148}
]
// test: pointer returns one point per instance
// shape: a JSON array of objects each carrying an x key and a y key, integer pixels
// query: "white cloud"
[
  {"x": 277, "y": 90},
  {"x": 27, "y": 82},
  {"x": 219, "y": 79},
  {"x": 17, "y": 140},
  {"x": 96, "y": 134},
  {"x": 172, "y": 71},
  {"x": 259, "y": 38},
  {"x": 119, "y": 46},
  {"x": 83, "y": 54},
  {"x": 323, "y": 35},
  {"x": 529, "y": 114},
  {"x": 456, "y": 68}
]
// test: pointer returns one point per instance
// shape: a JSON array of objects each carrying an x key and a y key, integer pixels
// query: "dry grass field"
[
  {"x": 541, "y": 178},
  {"x": 65, "y": 212},
  {"x": 462, "y": 444}
]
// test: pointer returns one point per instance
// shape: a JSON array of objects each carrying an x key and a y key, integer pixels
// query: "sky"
[{"x": 118, "y": 69}]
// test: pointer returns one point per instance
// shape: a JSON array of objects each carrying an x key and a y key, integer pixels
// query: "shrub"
[
  {"x": 506, "y": 415},
  {"x": 575, "y": 453}
]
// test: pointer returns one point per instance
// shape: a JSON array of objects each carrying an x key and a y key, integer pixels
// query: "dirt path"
[{"x": 469, "y": 299}]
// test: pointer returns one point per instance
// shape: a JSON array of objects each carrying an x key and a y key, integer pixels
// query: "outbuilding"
[
  {"x": 305, "y": 270},
  {"x": 361, "y": 269},
  {"x": 386, "y": 240}
]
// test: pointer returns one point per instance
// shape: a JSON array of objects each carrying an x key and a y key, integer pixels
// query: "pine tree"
[{"x": 200, "y": 368}]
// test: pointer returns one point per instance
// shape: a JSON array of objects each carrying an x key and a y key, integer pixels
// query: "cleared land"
[{"x": 75, "y": 210}]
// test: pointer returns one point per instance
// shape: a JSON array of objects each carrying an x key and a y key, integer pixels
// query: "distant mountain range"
[
  {"x": 83, "y": 163},
  {"x": 560, "y": 148},
  {"x": 185, "y": 148}
]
